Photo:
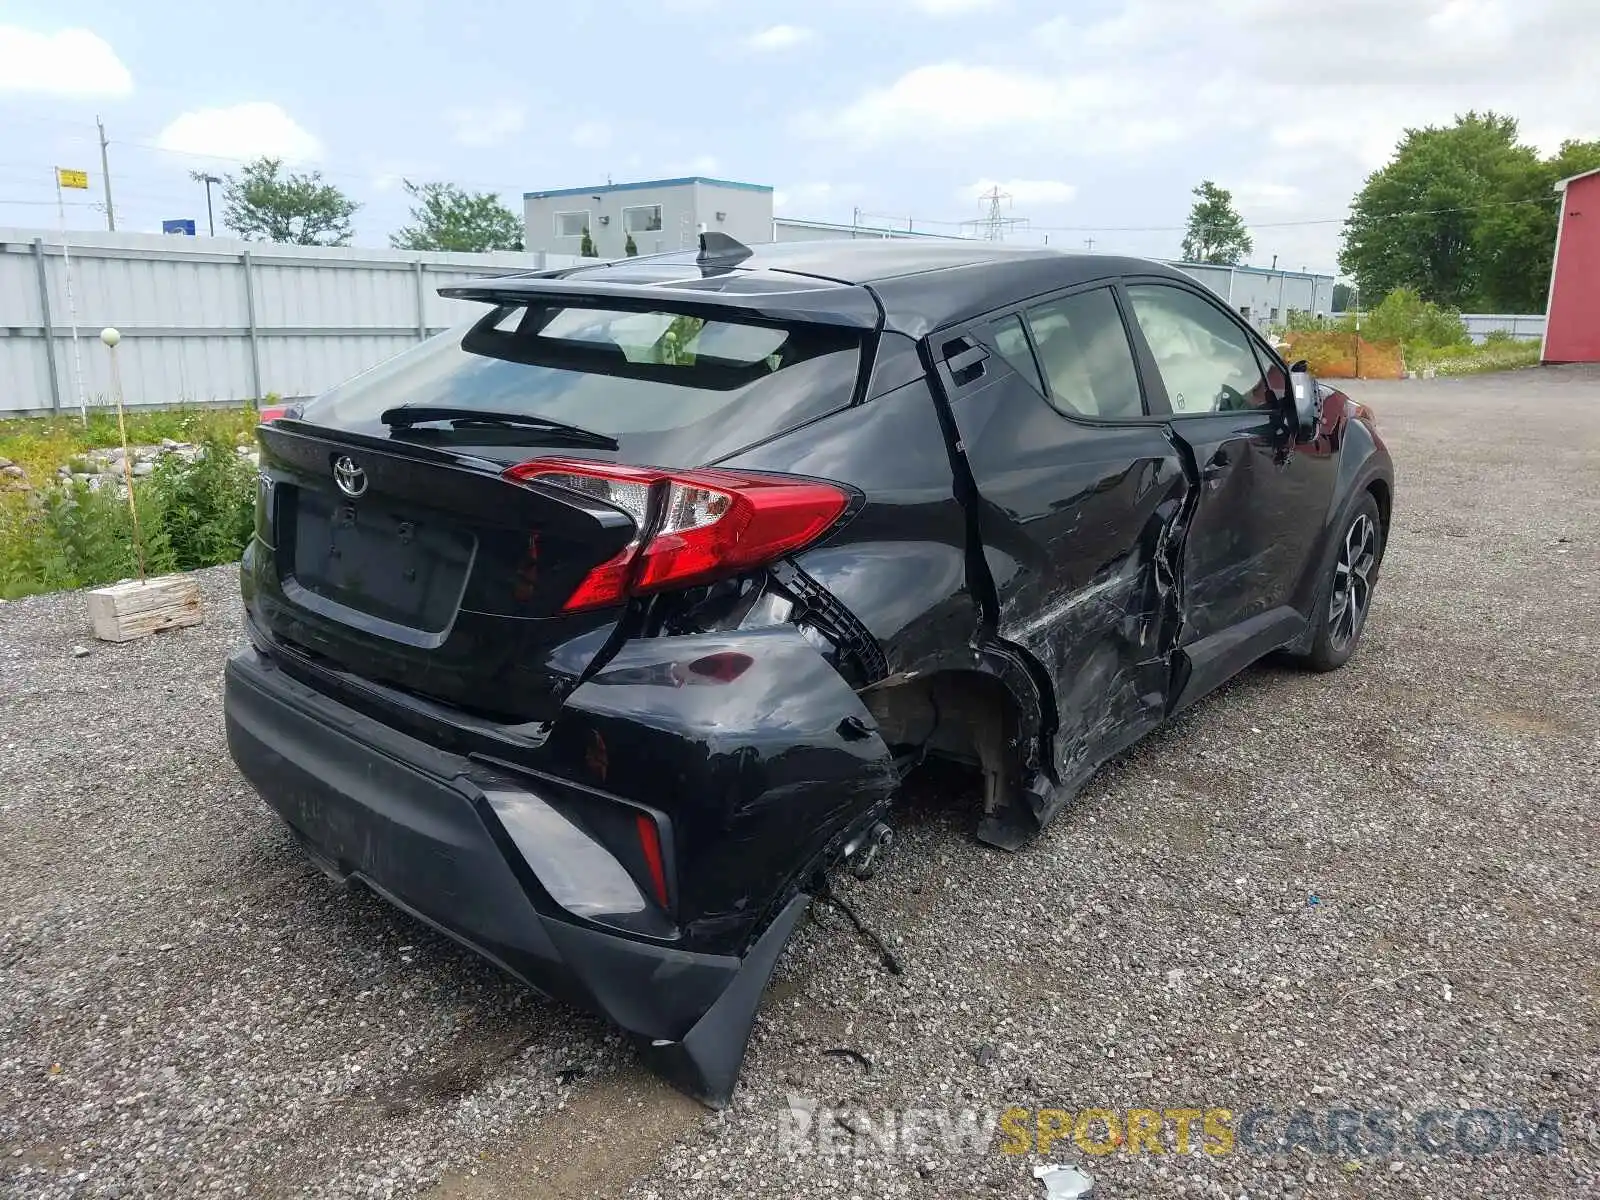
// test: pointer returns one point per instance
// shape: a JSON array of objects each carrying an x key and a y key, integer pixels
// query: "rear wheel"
[{"x": 1354, "y": 573}]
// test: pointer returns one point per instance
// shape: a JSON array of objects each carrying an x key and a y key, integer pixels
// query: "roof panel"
[
  {"x": 922, "y": 285},
  {"x": 1561, "y": 184},
  {"x": 684, "y": 181}
]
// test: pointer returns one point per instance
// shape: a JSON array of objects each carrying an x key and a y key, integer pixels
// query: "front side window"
[
  {"x": 1206, "y": 361},
  {"x": 571, "y": 224},
  {"x": 1087, "y": 360},
  {"x": 643, "y": 218}
]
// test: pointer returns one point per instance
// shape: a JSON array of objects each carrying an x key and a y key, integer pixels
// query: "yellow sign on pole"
[{"x": 72, "y": 179}]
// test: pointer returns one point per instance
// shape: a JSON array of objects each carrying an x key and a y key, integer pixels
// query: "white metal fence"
[
  {"x": 208, "y": 319},
  {"x": 1518, "y": 325}
]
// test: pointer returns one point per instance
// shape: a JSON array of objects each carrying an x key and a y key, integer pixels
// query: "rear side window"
[
  {"x": 1012, "y": 342},
  {"x": 1087, "y": 359},
  {"x": 673, "y": 389}
]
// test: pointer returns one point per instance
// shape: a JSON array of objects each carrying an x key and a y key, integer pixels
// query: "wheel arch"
[
  {"x": 1383, "y": 492},
  {"x": 988, "y": 711}
]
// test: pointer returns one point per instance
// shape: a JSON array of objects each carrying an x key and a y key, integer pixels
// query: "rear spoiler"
[{"x": 774, "y": 297}]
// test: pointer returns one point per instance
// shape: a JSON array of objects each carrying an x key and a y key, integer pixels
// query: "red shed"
[{"x": 1572, "y": 316}]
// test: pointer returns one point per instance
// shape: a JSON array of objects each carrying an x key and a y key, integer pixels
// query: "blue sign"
[{"x": 185, "y": 226}]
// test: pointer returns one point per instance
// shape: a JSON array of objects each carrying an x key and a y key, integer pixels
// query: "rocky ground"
[
  {"x": 109, "y": 467},
  {"x": 1372, "y": 891}
]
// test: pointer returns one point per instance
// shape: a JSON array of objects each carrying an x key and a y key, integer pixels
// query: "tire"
[{"x": 1347, "y": 596}]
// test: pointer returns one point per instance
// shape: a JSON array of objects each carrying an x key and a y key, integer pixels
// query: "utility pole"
[
  {"x": 994, "y": 226},
  {"x": 1088, "y": 244},
  {"x": 995, "y": 222},
  {"x": 105, "y": 176},
  {"x": 208, "y": 180}
]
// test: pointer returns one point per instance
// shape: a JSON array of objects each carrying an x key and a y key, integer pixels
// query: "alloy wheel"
[{"x": 1352, "y": 583}]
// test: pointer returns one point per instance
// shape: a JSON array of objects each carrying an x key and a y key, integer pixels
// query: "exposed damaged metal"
[{"x": 631, "y": 644}]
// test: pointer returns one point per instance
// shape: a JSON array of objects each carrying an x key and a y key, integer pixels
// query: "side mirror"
[{"x": 1307, "y": 405}]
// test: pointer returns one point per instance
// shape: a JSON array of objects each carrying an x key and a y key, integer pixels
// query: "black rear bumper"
[{"x": 414, "y": 823}]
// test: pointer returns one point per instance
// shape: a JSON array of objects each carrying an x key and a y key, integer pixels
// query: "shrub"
[
  {"x": 75, "y": 535},
  {"x": 191, "y": 514},
  {"x": 1407, "y": 318},
  {"x": 208, "y": 505}
]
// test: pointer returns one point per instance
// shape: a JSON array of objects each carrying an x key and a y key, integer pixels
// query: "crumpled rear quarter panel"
[{"x": 754, "y": 746}]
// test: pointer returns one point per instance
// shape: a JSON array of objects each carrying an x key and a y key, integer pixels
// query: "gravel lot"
[{"x": 187, "y": 1007}]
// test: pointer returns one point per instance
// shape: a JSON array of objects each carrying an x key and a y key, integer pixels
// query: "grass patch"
[
  {"x": 1475, "y": 360},
  {"x": 41, "y": 444}
]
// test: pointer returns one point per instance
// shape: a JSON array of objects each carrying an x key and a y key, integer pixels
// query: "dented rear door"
[{"x": 1080, "y": 500}]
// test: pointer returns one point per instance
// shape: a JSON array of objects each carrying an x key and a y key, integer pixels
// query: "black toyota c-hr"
[{"x": 594, "y": 634}]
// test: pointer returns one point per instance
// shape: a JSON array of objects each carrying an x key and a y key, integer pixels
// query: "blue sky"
[{"x": 1097, "y": 116}]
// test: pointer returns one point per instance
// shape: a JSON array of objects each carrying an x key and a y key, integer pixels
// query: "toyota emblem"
[{"x": 347, "y": 473}]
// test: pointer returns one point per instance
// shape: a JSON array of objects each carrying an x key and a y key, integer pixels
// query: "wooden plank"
[{"x": 131, "y": 609}]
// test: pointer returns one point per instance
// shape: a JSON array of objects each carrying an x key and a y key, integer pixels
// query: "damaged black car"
[{"x": 597, "y": 633}]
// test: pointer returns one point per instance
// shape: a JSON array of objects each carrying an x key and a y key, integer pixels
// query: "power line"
[
  {"x": 52, "y": 203},
  {"x": 1419, "y": 212}
]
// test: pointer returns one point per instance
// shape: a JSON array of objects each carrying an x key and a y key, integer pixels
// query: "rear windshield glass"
[{"x": 678, "y": 389}]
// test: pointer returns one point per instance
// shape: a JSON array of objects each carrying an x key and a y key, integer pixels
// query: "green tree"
[
  {"x": 444, "y": 217},
  {"x": 260, "y": 204},
  {"x": 1341, "y": 297},
  {"x": 630, "y": 247},
  {"x": 1464, "y": 215},
  {"x": 1514, "y": 242},
  {"x": 1216, "y": 232},
  {"x": 586, "y": 247}
]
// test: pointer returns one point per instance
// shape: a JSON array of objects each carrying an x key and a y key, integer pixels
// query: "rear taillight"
[{"x": 695, "y": 526}]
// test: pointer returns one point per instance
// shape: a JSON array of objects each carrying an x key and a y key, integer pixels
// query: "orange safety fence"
[{"x": 1331, "y": 355}]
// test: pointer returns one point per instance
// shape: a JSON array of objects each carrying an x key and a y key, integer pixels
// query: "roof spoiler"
[{"x": 808, "y": 302}]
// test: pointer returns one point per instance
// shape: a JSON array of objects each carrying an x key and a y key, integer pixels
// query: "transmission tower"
[{"x": 994, "y": 225}]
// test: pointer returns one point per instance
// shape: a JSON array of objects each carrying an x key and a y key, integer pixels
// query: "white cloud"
[
  {"x": 1022, "y": 191},
  {"x": 945, "y": 99},
  {"x": 591, "y": 135},
  {"x": 486, "y": 126},
  {"x": 1252, "y": 194},
  {"x": 700, "y": 164},
  {"x": 388, "y": 175},
  {"x": 802, "y": 196},
  {"x": 243, "y": 131},
  {"x": 813, "y": 197},
  {"x": 72, "y": 62},
  {"x": 1290, "y": 104},
  {"x": 946, "y": 8},
  {"x": 779, "y": 37},
  {"x": 1087, "y": 111}
]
